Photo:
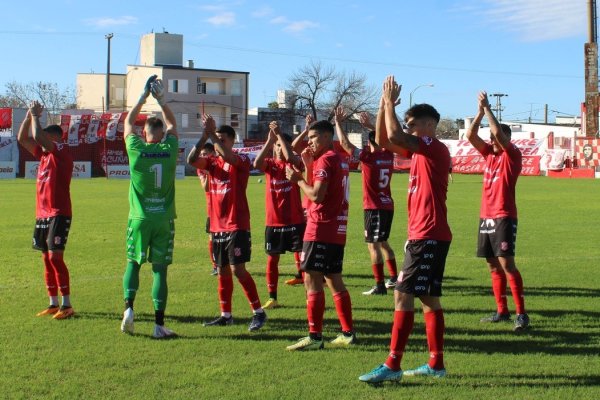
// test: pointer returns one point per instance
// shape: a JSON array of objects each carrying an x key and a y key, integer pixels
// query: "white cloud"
[
  {"x": 300, "y": 26},
  {"x": 223, "y": 19},
  {"x": 262, "y": 12},
  {"x": 279, "y": 20},
  {"x": 531, "y": 20},
  {"x": 102, "y": 22}
]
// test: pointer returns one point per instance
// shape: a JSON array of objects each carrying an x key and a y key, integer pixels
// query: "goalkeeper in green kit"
[{"x": 150, "y": 226}]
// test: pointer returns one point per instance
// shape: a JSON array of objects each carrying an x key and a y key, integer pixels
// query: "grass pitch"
[{"x": 87, "y": 357}]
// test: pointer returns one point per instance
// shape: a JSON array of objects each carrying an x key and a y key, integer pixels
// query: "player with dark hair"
[
  {"x": 429, "y": 235},
  {"x": 498, "y": 214},
  {"x": 151, "y": 222},
  {"x": 377, "y": 167},
  {"x": 325, "y": 235},
  {"x": 230, "y": 221},
  {"x": 53, "y": 206},
  {"x": 285, "y": 223},
  {"x": 204, "y": 149}
]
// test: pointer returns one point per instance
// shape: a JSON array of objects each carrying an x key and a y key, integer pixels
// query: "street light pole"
[
  {"x": 108, "y": 37},
  {"x": 415, "y": 89}
]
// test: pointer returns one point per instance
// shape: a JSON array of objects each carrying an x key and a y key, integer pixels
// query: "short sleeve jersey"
[
  {"x": 229, "y": 206},
  {"x": 377, "y": 169},
  {"x": 283, "y": 205},
  {"x": 53, "y": 195},
  {"x": 427, "y": 189},
  {"x": 499, "y": 182},
  {"x": 327, "y": 221},
  {"x": 152, "y": 184}
]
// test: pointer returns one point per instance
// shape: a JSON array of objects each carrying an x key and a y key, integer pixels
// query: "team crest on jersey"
[
  {"x": 427, "y": 140},
  {"x": 504, "y": 246},
  {"x": 57, "y": 240},
  {"x": 320, "y": 173},
  {"x": 237, "y": 252}
]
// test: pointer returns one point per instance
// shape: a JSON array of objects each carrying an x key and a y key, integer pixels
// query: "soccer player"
[
  {"x": 377, "y": 166},
  {"x": 498, "y": 213},
  {"x": 429, "y": 235},
  {"x": 150, "y": 226},
  {"x": 204, "y": 149},
  {"x": 230, "y": 221},
  {"x": 325, "y": 235},
  {"x": 285, "y": 224},
  {"x": 53, "y": 206}
]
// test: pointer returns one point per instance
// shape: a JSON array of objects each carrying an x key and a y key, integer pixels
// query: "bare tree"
[
  {"x": 53, "y": 98},
  {"x": 322, "y": 88},
  {"x": 447, "y": 129}
]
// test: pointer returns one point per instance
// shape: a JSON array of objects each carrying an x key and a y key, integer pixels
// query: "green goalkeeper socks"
[
  {"x": 131, "y": 280},
  {"x": 159, "y": 286}
]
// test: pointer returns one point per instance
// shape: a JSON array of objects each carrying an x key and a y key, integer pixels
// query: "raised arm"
[
  {"x": 297, "y": 143},
  {"x": 135, "y": 111},
  {"x": 397, "y": 136},
  {"x": 195, "y": 152},
  {"x": 158, "y": 92},
  {"x": 340, "y": 115},
  {"x": 365, "y": 121},
  {"x": 23, "y": 138},
  {"x": 211, "y": 130},
  {"x": 316, "y": 191},
  {"x": 286, "y": 147},
  {"x": 259, "y": 161},
  {"x": 495, "y": 128},
  {"x": 39, "y": 135},
  {"x": 472, "y": 132}
]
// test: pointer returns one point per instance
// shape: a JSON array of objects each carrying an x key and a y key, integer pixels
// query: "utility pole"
[
  {"x": 108, "y": 37},
  {"x": 590, "y": 123},
  {"x": 499, "y": 107}
]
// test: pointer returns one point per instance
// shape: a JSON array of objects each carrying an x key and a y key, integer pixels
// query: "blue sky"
[{"x": 531, "y": 50}]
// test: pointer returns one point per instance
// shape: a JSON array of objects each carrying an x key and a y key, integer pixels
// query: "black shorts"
[
  {"x": 326, "y": 258},
  {"x": 378, "y": 224},
  {"x": 279, "y": 239},
  {"x": 423, "y": 270},
  {"x": 497, "y": 237},
  {"x": 207, "y": 227},
  {"x": 51, "y": 233},
  {"x": 231, "y": 248}
]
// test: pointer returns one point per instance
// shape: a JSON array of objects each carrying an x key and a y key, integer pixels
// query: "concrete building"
[{"x": 190, "y": 91}]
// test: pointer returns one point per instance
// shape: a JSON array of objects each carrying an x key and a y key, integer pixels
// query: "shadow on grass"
[
  {"x": 560, "y": 291},
  {"x": 525, "y": 380}
]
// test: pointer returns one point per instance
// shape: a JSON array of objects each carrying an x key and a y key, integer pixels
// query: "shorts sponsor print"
[
  {"x": 378, "y": 224},
  {"x": 231, "y": 248},
  {"x": 279, "y": 239},
  {"x": 423, "y": 270},
  {"x": 326, "y": 258},
  {"x": 150, "y": 240},
  {"x": 497, "y": 237},
  {"x": 51, "y": 233}
]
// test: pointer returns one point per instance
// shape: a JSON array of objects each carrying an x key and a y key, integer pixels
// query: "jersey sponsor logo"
[
  {"x": 425, "y": 266},
  {"x": 422, "y": 278},
  {"x": 162, "y": 154},
  {"x": 384, "y": 162},
  {"x": 320, "y": 173}
]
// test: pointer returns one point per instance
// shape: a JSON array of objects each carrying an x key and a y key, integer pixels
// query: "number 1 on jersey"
[{"x": 157, "y": 169}]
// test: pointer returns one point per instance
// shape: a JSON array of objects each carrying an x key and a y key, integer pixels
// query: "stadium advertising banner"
[
  {"x": 121, "y": 171},
  {"x": 586, "y": 151},
  {"x": 81, "y": 169},
  {"x": 6, "y": 122},
  {"x": 8, "y": 170}
]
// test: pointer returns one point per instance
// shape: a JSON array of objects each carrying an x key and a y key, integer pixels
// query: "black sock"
[
  {"x": 316, "y": 336},
  {"x": 129, "y": 303},
  {"x": 159, "y": 317},
  {"x": 273, "y": 295},
  {"x": 347, "y": 333}
]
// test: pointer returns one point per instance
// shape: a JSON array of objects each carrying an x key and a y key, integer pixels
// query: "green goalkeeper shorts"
[{"x": 151, "y": 240}]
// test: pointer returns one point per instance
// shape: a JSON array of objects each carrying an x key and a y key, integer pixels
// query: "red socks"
[
  {"x": 403, "y": 325},
  {"x": 61, "y": 273},
  {"x": 298, "y": 262},
  {"x": 516, "y": 287},
  {"x": 392, "y": 268},
  {"x": 499, "y": 289},
  {"x": 343, "y": 307},
  {"x": 378, "y": 272},
  {"x": 272, "y": 272},
  {"x": 250, "y": 290},
  {"x": 315, "y": 308},
  {"x": 49, "y": 276},
  {"x": 225, "y": 292},
  {"x": 434, "y": 328}
]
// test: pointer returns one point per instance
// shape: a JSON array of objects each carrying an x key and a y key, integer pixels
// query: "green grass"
[{"x": 87, "y": 357}]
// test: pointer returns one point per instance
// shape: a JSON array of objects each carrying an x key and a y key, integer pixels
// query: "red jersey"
[
  {"x": 499, "y": 182},
  {"x": 54, "y": 181},
  {"x": 427, "y": 188},
  {"x": 283, "y": 205},
  {"x": 202, "y": 174},
  {"x": 377, "y": 169},
  {"x": 228, "y": 204},
  {"x": 328, "y": 220}
]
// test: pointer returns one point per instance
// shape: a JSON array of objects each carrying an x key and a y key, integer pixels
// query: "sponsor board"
[
  {"x": 31, "y": 169},
  {"x": 82, "y": 169},
  {"x": 180, "y": 172},
  {"x": 8, "y": 170},
  {"x": 117, "y": 171}
]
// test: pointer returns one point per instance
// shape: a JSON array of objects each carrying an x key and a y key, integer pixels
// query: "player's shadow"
[
  {"x": 545, "y": 291},
  {"x": 530, "y": 380}
]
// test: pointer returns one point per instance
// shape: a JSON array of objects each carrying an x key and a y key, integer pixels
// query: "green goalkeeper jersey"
[{"x": 152, "y": 183}]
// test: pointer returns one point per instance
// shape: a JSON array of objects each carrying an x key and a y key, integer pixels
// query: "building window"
[
  {"x": 178, "y": 86},
  {"x": 236, "y": 87},
  {"x": 213, "y": 88},
  {"x": 184, "y": 121},
  {"x": 235, "y": 120},
  {"x": 200, "y": 86}
]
